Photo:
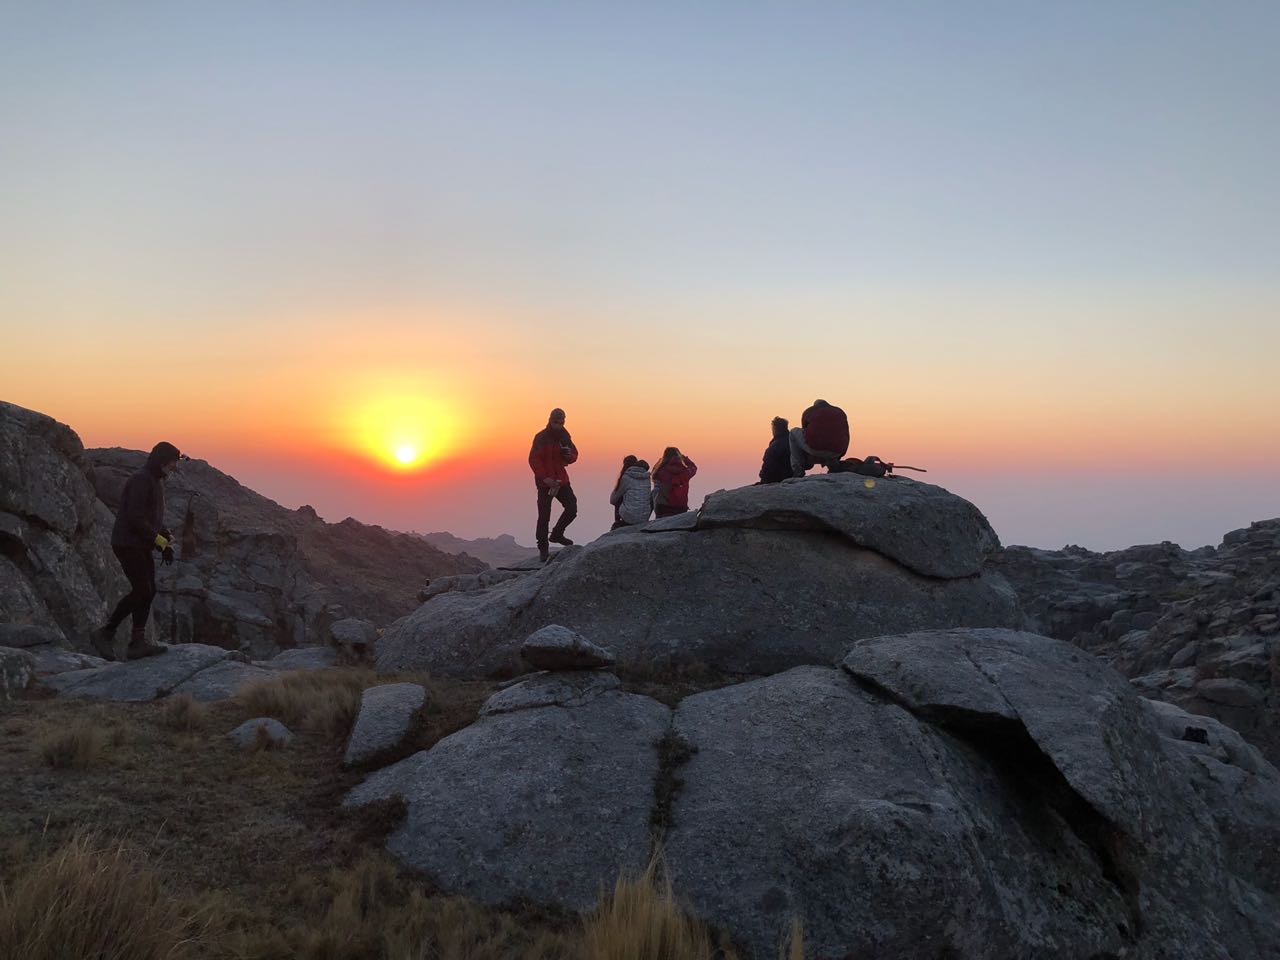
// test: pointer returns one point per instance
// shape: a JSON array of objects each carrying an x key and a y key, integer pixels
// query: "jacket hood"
[
  {"x": 162, "y": 453},
  {"x": 639, "y": 472}
]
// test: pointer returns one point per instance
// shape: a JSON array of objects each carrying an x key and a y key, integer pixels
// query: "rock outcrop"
[
  {"x": 762, "y": 579},
  {"x": 57, "y": 572},
  {"x": 946, "y": 793},
  {"x": 253, "y": 576},
  {"x": 1198, "y": 628}
]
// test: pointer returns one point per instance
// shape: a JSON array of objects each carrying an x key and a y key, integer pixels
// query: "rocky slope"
[
  {"x": 963, "y": 793},
  {"x": 760, "y": 579},
  {"x": 1197, "y": 628},
  {"x": 254, "y": 576}
]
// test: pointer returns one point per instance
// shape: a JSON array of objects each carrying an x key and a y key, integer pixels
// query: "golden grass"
[
  {"x": 183, "y": 714},
  {"x": 91, "y": 899},
  {"x": 641, "y": 920},
  {"x": 82, "y": 746},
  {"x": 324, "y": 702}
]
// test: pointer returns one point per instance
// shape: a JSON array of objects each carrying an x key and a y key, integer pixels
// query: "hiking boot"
[
  {"x": 140, "y": 647},
  {"x": 561, "y": 539},
  {"x": 103, "y": 642},
  {"x": 543, "y": 553}
]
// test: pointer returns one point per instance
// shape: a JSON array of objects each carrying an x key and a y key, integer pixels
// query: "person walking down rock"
[
  {"x": 138, "y": 533},
  {"x": 776, "y": 464},
  {"x": 551, "y": 452},
  {"x": 631, "y": 497},
  {"x": 671, "y": 483},
  {"x": 822, "y": 438}
]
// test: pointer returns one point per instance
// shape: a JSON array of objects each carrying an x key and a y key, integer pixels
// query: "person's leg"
[
  {"x": 544, "y": 519},
  {"x": 139, "y": 646},
  {"x": 569, "y": 501},
  {"x": 801, "y": 459}
]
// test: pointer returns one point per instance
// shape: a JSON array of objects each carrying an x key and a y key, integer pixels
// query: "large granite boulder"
[
  {"x": 763, "y": 579},
  {"x": 253, "y": 576},
  {"x": 57, "y": 572},
  {"x": 545, "y": 802},
  {"x": 963, "y": 793}
]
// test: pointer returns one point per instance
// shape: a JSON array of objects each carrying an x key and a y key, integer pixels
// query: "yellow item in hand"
[{"x": 161, "y": 542}]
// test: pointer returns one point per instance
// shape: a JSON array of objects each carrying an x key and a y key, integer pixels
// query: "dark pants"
[
  {"x": 140, "y": 567},
  {"x": 567, "y": 500},
  {"x": 664, "y": 510}
]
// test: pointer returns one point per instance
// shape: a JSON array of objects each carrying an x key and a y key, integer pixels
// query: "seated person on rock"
[
  {"x": 630, "y": 497},
  {"x": 822, "y": 438},
  {"x": 671, "y": 483},
  {"x": 776, "y": 464}
]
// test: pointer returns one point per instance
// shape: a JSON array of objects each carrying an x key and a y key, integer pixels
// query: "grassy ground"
[{"x": 140, "y": 831}]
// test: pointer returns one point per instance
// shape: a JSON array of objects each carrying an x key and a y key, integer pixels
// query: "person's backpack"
[{"x": 870, "y": 467}]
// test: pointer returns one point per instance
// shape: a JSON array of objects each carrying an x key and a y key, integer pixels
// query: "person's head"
[
  {"x": 555, "y": 418},
  {"x": 163, "y": 458},
  {"x": 821, "y": 403},
  {"x": 629, "y": 460},
  {"x": 780, "y": 426},
  {"x": 643, "y": 465},
  {"x": 667, "y": 456}
]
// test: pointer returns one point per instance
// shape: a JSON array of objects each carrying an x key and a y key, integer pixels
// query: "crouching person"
[
  {"x": 822, "y": 438},
  {"x": 139, "y": 532}
]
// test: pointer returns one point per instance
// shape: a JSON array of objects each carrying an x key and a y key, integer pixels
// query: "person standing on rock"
[
  {"x": 776, "y": 464},
  {"x": 822, "y": 438},
  {"x": 551, "y": 452},
  {"x": 138, "y": 533},
  {"x": 671, "y": 483},
  {"x": 631, "y": 499}
]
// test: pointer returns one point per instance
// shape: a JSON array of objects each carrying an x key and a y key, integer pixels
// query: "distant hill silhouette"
[{"x": 500, "y": 551}]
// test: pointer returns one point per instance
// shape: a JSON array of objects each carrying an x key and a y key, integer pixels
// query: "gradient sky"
[{"x": 1033, "y": 247}]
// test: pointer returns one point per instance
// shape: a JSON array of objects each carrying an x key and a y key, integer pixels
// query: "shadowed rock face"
[
  {"x": 254, "y": 576},
  {"x": 744, "y": 587},
  {"x": 1198, "y": 628},
  {"x": 57, "y": 572},
  {"x": 966, "y": 793}
]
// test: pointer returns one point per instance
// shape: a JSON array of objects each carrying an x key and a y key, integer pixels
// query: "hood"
[{"x": 639, "y": 473}]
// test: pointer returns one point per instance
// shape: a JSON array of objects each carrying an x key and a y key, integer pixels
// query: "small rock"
[
  {"x": 246, "y": 735},
  {"x": 354, "y": 636},
  {"x": 29, "y": 635},
  {"x": 386, "y": 714},
  {"x": 17, "y": 669},
  {"x": 1230, "y": 691},
  {"x": 302, "y": 658},
  {"x": 1186, "y": 656},
  {"x": 558, "y": 648}
]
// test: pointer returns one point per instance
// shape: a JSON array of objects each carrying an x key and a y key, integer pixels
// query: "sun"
[{"x": 402, "y": 430}]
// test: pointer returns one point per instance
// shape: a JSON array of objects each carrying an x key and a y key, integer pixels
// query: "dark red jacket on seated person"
[{"x": 826, "y": 428}]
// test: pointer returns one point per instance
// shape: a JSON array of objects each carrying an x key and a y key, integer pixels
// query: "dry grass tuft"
[
  {"x": 78, "y": 747},
  {"x": 320, "y": 701},
  {"x": 641, "y": 921},
  {"x": 91, "y": 899},
  {"x": 183, "y": 714}
]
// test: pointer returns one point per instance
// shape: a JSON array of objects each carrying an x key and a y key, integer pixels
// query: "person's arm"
[
  {"x": 540, "y": 459},
  {"x": 569, "y": 452},
  {"x": 693, "y": 467},
  {"x": 616, "y": 497}
]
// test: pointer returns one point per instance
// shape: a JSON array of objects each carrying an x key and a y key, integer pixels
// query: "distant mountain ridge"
[{"x": 500, "y": 551}]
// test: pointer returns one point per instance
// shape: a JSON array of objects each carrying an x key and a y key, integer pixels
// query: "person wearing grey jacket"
[{"x": 631, "y": 496}]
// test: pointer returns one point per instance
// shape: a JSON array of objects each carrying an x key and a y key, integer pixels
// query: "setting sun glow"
[{"x": 401, "y": 430}]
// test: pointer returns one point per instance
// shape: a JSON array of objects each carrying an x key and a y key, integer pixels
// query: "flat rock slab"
[
  {"x": 385, "y": 718},
  {"x": 544, "y": 804},
  {"x": 921, "y": 526},
  {"x": 29, "y": 635},
  {"x": 302, "y": 658},
  {"x": 223, "y": 680},
  {"x": 680, "y": 521},
  {"x": 138, "y": 680},
  {"x": 558, "y": 648},
  {"x": 51, "y": 659},
  {"x": 570, "y": 689},
  {"x": 246, "y": 736}
]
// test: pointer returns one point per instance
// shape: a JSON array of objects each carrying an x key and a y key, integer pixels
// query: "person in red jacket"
[
  {"x": 822, "y": 437},
  {"x": 551, "y": 452},
  {"x": 671, "y": 483}
]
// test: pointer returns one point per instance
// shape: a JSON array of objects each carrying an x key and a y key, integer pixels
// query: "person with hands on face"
[
  {"x": 551, "y": 452},
  {"x": 139, "y": 531}
]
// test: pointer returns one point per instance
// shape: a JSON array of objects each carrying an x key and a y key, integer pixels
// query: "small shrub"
[
  {"x": 320, "y": 701},
  {"x": 641, "y": 920},
  {"x": 90, "y": 899},
  {"x": 183, "y": 714},
  {"x": 78, "y": 747}
]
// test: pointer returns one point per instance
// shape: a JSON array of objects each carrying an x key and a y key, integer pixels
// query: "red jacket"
[
  {"x": 552, "y": 449},
  {"x": 826, "y": 428},
  {"x": 672, "y": 481}
]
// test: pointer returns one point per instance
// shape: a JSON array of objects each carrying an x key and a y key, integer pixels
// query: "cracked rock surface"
[
  {"x": 967, "y": 793},
  {"x": 760, "y": 581}
]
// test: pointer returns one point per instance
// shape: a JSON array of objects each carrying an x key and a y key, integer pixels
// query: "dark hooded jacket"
[
  {"x": 141, "y": 513},
  {"x": 776, "y": 466}
]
